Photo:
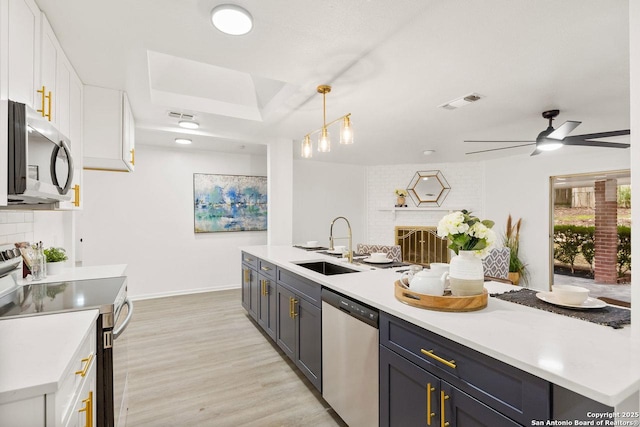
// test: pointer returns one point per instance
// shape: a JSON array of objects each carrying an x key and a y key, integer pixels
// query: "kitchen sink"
[{"x": 326, "y": 268}]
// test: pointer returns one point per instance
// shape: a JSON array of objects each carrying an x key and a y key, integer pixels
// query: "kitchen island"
[{"x": 594, "y": 361}]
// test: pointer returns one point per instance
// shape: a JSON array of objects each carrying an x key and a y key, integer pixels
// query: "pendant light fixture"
[{"x": 324, "y": 139}]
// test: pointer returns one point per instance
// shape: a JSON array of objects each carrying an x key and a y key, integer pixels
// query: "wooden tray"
[{"x": 440, "y": 303}]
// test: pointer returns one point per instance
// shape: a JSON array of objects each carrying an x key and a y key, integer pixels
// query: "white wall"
[
  {"x": 145, "y": 219},
  {"x": 465, "y": 180},
  {"x": 520, "y": 186},
  {"x": 323, "y": 191},
  {"x": 634, "y": 44},
  {"x": 280, "y": 191}
]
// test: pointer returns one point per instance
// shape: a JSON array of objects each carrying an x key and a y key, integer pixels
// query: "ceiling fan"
[{"x": 552, "y": 139}]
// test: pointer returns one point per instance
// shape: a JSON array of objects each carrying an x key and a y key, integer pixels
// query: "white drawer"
[
  {"x": 81, "y": 369},
  {"x": 83, "y": 411}
]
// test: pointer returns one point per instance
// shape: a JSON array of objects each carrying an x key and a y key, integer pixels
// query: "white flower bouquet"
[{"x": 467, "y": 233}]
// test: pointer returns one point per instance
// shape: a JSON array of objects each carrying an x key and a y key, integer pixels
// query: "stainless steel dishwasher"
[{"x": 350, "y": 359}]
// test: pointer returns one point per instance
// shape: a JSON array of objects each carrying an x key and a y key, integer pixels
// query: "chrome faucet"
[{"x": 331, "y": 238}]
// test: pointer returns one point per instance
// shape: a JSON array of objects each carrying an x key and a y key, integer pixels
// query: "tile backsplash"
[{"x": 16, "y": 226}]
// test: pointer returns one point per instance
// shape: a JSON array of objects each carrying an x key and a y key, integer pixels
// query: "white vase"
[
  {"x": 466, "y": 274},
  {"x": 55, "y": 268}
]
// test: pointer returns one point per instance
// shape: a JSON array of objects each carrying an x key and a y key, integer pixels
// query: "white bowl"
[
  {"x": 568, "y": 294},
  {"x": 378, "y": 256}
]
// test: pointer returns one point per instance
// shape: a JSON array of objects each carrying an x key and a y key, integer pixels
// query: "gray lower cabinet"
[
  {"x": 426, "y": 379},
  {"x": 411, "y": 396},
  {"x": 299, "y": 323},
  {"x": 288, "y": 307},
  {"x": 267, "y": 297},
  {"x": 299, "y": 332},
  {"x": 250, "y": 289}
]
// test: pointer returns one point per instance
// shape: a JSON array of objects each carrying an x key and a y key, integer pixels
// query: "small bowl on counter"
[{"x": 569, "y": 294}]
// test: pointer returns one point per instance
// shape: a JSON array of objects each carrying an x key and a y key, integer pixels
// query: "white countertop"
[
  {"x": 596, "y": 361},
  {"x": 82, "y": 273},
  {"x": 35, "y": 352}
]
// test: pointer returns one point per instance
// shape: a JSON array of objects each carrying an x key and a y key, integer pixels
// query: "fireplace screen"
[{"x": 421, "y": 245}]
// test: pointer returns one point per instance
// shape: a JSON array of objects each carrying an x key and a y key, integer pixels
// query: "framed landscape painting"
[{"x": 229, "y": 203}]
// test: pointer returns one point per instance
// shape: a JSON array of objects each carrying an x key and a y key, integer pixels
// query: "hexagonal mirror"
[{"x": 428, "y": 188}]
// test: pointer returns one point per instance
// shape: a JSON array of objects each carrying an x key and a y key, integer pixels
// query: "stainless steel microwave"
[{"x": 40, "y": 161}]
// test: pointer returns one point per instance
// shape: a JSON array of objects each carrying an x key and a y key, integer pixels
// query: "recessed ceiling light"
[
  {"x": 428, "y": 152},
  {"x": 231, "y": 19},
  {"x": 188, "y": 124},
  {"x": 183, "y": 141}
]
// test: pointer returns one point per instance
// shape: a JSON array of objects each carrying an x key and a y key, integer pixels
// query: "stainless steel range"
[{"x": 109, "y": 295}]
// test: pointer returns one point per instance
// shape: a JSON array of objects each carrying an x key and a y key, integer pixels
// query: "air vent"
[
  {"x": 180, "y": 115},
  {"x": 461, "y": 102}
]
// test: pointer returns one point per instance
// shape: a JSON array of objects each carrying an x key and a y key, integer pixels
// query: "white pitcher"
[{"x": 428, "y": 282}]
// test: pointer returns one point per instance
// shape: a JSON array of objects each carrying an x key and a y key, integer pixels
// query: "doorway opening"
[{"x": 591, "y": 233}]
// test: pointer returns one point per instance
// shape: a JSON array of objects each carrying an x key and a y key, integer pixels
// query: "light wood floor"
[{"x": 199, "y": 360}]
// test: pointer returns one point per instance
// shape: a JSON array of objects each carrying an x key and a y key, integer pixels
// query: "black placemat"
[{"x": 608, "y": 316}]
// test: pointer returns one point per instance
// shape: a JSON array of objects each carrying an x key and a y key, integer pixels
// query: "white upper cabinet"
[
  {"x": 70, "y": 98},
  {"x": 34, "y": 70},
  {"x": 23, "y": 21},
  {"x": 50, "y": 56},
  {"x": 109, "y": 130}
]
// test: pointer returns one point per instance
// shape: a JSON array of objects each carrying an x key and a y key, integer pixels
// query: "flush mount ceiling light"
[
  {"x": 231, "y": 19},
  {"x": 428, "y": 152},
  {"x": 324, "y": 141},
  {"x": 183, "y": 141},
  {"x": 188, "y": 124}
]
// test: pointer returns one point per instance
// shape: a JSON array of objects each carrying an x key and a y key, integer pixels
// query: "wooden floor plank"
[{"x": 199, "y": 360}]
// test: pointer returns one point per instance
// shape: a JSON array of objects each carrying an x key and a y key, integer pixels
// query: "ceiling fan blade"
[
  {"x": 588, "y": 143},
  {"x": 564, "y": 129},
  {"x": 501, "y": 148},
  {"x": 600, "y": 135},
  {"x": 511, "y": 141},
  {"x": 535, "y": 152}
]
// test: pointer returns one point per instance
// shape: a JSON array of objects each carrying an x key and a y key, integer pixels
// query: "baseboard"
[{"x": 183, "y": 292}]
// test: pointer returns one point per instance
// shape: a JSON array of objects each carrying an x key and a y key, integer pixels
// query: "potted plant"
[
  {"x": 401, "y": 196},
  {"x": 55, "y": 258},
  {"x": 511, "y": 240},
  {"x": 471, "y": 239}
]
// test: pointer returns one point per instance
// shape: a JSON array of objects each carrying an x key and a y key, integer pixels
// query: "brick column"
[{"x": 606, "y": 234}]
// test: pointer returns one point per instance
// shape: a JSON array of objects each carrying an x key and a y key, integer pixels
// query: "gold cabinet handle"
[
  {"x": 87, "y": 362},
  {"x": 291, "y": 307},
  {"x": 429, "y": 413},
  {"x": 246, "y": 275},
  {"x": 265, "y": 268},
  {"x": 133, "y": 156},
  {"x": 248, "y": 259},
  {"x": 88, "y": 410},
  {"x": 449, "y": 363},
  {"x": 76, "y": 192},
  {"x": 443, "y": 397},
  {"x": 48, "y": 115},
  {"x": 41, "y": 110},
  {"x": 263, "y": 284},
  {"x": 294, "y": 314}
]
